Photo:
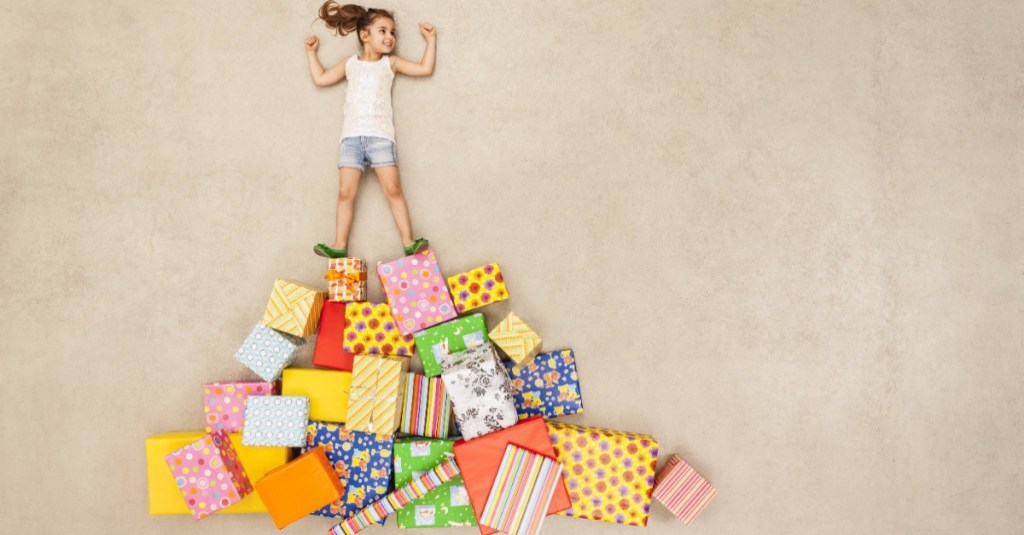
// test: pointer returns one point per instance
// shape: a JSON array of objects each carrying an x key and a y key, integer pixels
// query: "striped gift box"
[
  {"x": 375, "y": 397},
  {"x": 680, "y": 488},
  {"x": 521, "y": 493},
  {"x": 294, "y": 308},
  {"x": 427, "y": 409},
  {"x": 516, "y": 339}
]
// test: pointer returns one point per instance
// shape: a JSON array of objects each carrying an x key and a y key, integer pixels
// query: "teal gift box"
[{"x": 433, "y": 345}]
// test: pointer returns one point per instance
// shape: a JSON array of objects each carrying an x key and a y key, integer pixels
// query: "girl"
[{"x": 368, "y": 133}]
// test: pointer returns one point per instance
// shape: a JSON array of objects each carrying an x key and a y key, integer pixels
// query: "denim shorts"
[{"x": 358, "y": 152}]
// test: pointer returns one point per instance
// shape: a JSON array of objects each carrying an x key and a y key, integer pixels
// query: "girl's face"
[{"x": 380, "y": 36}]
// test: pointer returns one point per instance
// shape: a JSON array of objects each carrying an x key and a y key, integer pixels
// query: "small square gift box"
[
  {"x": 224, "y": 403},
  {"x": 209, "y": 474},
  {"x": 267, "y": 352},
  {"x": 299, "y": 488},
  {"x": 548, "y": 385},
  {"x": 427, "y": 409},
  {"x": 445, "y": 506},
  {"x": 480, "y": 390},
  {"x": 416, "y": 291},
  {"x": 477, "y": 287},
  {"x": 610, "y": 474},
  {"x": 682, "y": 490},
  {"x": 165, "y": 497},
  {"x": 370, "y": 329},
  {"x": 522, "y": 492},
  {"x": 433, "y": 345},
  {"x": 327, "y": 391},
  {"x": 481, "y": 458},
  {"x": 346, "y": 279},
  {"x": 361, "y": 461},
  {"x": 276, "y": 421},
  {"x": 516, "y": 339},
  {"x": 377, "y": 392},
  {"x": 294, "y": 308},
  {"x": 330, "y": 339}
]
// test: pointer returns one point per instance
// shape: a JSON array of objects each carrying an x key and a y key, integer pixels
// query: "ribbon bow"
[{"x": 349, "y": 280}]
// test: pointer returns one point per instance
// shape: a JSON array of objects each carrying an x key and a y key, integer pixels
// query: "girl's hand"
[
  {"x": 428, "y": 31},
  {"x": 312, "y": 42}
]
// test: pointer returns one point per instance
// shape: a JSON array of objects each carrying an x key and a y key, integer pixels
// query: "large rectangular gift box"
[
  {"x": 370, "y": 330},
  {"x": 416, "y": 291},
  {"x": 300, "y": 487},
  {"x": 522, "y": 492},
  {"x": 481, "y": 458},
  {"x": 433, "y": 345},
  {"x": 445, "y": 506},
  {"x": 610, "y": 474},
  {"x": 516, "y": 339},
  {"x": 477, "y": 287},
  {"x": 293, "y": 308},
  {"x": 330, "y": 339},
  {"x": 427, "y": 410},
  {"x": 377, "y": 392},
  {"x": 165, "y": 497},
  {"x": 480, "y": 390},
  {"x": 209, "y": 474},
  {"x": 682, "y": 490},
  {"x": 276, "y": 421},
  {"x": 346, "y": 279},
  {"x": 548, "y": 385},
  {"x": 266, "y": 351},
  {"x": 224, "y": 403},
  {"x": 327, "y": 391},
  {"x": 361, "y": 461}
]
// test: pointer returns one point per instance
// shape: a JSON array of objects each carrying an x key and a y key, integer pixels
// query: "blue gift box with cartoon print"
[
  {"x": 548, "y": 385},
  {"x": 362, "y": 461}
]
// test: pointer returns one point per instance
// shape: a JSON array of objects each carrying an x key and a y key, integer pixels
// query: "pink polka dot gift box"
[
  {"x": 209, "y": 474},
  {"x": 416, "y": 291},
  {"x": 224, "y": 403}
]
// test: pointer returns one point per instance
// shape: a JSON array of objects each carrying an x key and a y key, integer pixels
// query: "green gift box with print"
[
  {"x": 433, "y": 345},
  {"x": 445, "y": 506}
]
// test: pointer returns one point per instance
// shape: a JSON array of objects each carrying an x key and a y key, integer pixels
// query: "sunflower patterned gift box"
[
  {"x": 610, "y": 474},
  {"x": 370, "y": 329},
  {"x": 445, "y": 506},
  {"x": 362, "y": 462},
  {"x": 548, "y": 385},
  {"x": 477, "y": 287}
]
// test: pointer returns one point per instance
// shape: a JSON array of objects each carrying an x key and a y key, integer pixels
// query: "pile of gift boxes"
[{"x": 360, "y": 437}]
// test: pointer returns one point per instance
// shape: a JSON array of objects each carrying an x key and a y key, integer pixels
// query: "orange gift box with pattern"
[{"x": 477, "y": 287}]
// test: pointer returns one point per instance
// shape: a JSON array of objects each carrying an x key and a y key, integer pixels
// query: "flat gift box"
[
  {"x": 416, "y": 291},
  {"x": 548, "y": 385},
  {"x": 293, "y": 308},
  {"x": 327, "y": 390},
  {"x": 361, "y": 461},
  {"x": 370, "y": 330},
  {"x": 477, "y": 287},
  {"x": 276, "y": 421},
  {"x": 522, "y": 492},
  {"x": 433, "y": 345}
]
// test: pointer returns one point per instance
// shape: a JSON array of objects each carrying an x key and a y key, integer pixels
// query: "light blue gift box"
[
  {"x": 275, "y": 421},
  {"x": 267, "y": 351}
]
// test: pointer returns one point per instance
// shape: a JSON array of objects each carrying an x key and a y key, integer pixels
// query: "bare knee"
[
  {"x": 346, "y": 194},
  {"x": 392, "y": 190}
]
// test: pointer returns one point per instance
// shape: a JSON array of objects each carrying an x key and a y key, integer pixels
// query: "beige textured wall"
[{"x": 783, "y": 237}]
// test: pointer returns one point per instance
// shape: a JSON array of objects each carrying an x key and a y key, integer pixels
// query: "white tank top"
[{"x": 368, "y": 99}]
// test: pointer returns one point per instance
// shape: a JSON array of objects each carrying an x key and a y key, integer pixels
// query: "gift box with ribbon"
[
  {"x": 377, "y": 392},
  {"x": 346, "y": 279}
]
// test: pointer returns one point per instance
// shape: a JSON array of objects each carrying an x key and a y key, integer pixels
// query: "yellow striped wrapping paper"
[
  {"x": 521, "y": 493},
  {"x": 427, "y": 409},
  {"x": 377, "y": 392},
  {"x": 516, "y": 339},
  {"x": 294, "y": 308}
]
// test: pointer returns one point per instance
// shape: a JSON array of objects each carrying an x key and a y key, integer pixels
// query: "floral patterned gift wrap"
[
  {"x": 548, "y": 385},
  {"x": 477, "y": 287},
  {"x": 480, "y": 390}
]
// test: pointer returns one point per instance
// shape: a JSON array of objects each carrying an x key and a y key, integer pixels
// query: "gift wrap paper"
[
  {"x": 346, "y": 279},
  {"x": 327, "y": 391},
  {"x": 377, "y": 393},
  {"x": 330, "y": 339},
  {"x": 209, "y": 474},
  {"x": 224, "y": 403},
  {"x": 516, "y": 339},
  {"x": 522, "y": 492},
  {"x": 416, "y": 291},
  {"x": 370, "y": 329},
  {"x": 682, "y": 490},
  {"x": 299, "y": 487},
  {"x": 480, "y": 390},
  {"x": 294, "y": 308},
  {"x": 477, "y": 287},
  {"x": 610, "y": 474},
  {"x": 267, "y": 351},
  {"x": 547, "y": 385},
  {"x": 436, "y": 343},
  {"x": 427, "y": 409},
  {"x": 276, "y": 421},
  {"x": 361, "y": 461},
  {"x": 445, "y": 506}
]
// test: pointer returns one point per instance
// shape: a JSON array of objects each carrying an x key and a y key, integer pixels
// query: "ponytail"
[{"x": 350, "y": 18}]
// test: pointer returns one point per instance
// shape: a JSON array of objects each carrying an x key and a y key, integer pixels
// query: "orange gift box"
[
  {"x": 300, "y": 487},
  {"x": 480, "y": 458}
]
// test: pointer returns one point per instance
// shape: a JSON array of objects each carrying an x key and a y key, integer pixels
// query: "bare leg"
[
  {"x": 388, "y": 178},
  {"x": 348, "y": 185}
]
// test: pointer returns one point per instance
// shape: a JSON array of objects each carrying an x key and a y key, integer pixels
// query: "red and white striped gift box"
[{"x": 680, "y": 488}]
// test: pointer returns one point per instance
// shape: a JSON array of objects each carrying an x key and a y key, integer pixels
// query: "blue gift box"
[
  {"x": 267, "y": 351},
  {"x": 548, "y": 385},
  {"x": 362, "y": 461}
]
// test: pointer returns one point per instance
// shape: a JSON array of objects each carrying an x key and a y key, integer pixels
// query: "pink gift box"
[
  {"x": 209, "y": 474},
  {"x": 682, "y": 490},
  {"x": 224, "y": 403},
  {"x": 416, "y": 291}
]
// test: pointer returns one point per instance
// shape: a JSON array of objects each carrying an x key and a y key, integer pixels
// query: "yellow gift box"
[
  {"x": 294, "y": 308},
  {"x": 477, "y": 287},
  {"x": 327, "y": 390},
  {"x": 165, "y": 497},
  {"x": 377, "y": 393},
  {"x": 516, "y": 339}
]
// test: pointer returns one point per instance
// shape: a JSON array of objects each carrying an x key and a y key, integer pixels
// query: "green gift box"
[
  {"x": 433, "y": 345},
  {"x": 445, "y": 506}
]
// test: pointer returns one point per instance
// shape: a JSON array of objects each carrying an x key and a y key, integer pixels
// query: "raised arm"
[
  {"x": 426, "y": 65},
  {"x": 321, "y": 77}
]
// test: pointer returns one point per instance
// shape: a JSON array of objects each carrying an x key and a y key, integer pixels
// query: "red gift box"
[
  {"x": 331, "y": 337},
  {"x": 480, "y": 458}
]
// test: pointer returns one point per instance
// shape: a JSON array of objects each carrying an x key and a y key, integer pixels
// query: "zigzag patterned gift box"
[
  {"x": 361, "y": 461},
  {"x": 548, "y": 385},
  {"x": 516, "y": 339},
  {"x": 294, "y": 308}
]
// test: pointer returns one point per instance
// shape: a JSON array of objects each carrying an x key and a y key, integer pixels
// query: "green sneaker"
[
  {"x": 325, "y": 251},
  {"x": 417, "y": 246}
]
